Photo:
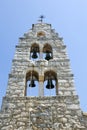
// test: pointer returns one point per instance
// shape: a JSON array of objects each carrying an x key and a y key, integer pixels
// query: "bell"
[
  {"x": 49, "y": 84},
  {"x": 32, "y": 84},
  {"x": 48, "y": 57},
  {"x": 34, "y": 55}
]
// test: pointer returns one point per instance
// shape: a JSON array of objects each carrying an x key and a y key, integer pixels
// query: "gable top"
[
  {"x": 43, "y": 30},
  {"x": 41, "y": 25}
]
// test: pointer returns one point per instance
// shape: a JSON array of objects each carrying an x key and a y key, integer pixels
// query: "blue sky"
[{"x": 68, "y": 18}]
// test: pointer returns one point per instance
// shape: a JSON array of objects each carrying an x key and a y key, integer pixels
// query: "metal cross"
[{"x": 41, "y": 18}]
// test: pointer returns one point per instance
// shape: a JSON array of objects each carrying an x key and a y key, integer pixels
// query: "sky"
[{"x": 68, "y": 18}]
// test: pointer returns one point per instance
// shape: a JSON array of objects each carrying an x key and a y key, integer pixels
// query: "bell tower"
[{"x": 41, "y": 92}]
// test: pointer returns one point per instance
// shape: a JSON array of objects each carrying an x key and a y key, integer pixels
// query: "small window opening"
[{"x": 40, "y": 34}]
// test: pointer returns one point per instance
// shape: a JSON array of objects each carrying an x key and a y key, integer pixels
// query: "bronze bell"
[
  {"x": 48, "y": 57},
  {"x": 49, "y": 85},
  {"x": 32, "y": 83},
  {"x": 34, "y": 55}
]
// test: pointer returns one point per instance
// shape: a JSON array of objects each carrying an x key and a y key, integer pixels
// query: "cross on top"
[{"x": 41, "y": 18}]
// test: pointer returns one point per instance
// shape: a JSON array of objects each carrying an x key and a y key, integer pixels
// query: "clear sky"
[{"x": 68, "y": 18}]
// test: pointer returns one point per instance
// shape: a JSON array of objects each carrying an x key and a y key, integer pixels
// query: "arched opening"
[
  {"x": 50, "y": 83},
  {"x": 41, "y": 34},
  {"x": 47, "y": 52},
  {"x": 32, "y": 83},
  {"x": 34, "y": 52}
]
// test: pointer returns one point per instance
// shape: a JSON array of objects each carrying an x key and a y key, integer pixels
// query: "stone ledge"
[
  {"x": 84, "y": 113},
  {"x": 52, "y": 60},
  {"x": 20, "y": 46},
  {"x": 57, "y": 97}
]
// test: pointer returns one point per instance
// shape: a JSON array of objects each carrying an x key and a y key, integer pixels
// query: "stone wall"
[
  {"x": 60, "y": 112},
  {"x": 41, "y": 113}
]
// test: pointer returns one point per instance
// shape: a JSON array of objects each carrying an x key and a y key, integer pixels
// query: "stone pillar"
[
  {"x": 41, "y": 55},
  {"x": 41, "y": 85}
]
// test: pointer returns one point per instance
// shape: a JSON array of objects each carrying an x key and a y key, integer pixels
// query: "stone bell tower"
[{"x": 41, "y": 93}]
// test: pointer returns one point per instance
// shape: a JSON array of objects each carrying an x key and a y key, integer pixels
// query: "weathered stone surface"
[
  {"x": 59, "y": 111},
  {"x": 41, "y": 116}
]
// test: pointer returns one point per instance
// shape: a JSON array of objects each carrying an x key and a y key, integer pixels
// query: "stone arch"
[
  {"x": 41, "y": 34},
  {"x": 47, "y": 51},
  {"x": 51, "y": 82},
  {"x": 34, "y": 51},
  {"x": 47, "y": 47},
  {"x": 32, "y": 78}
]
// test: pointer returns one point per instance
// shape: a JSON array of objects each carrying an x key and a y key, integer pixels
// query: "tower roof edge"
[{"x": 41, "y": 24}]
